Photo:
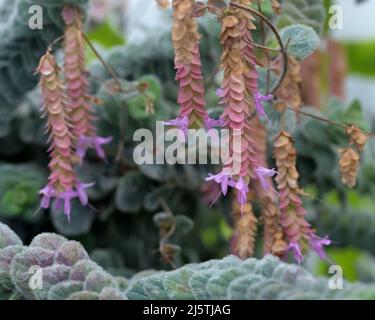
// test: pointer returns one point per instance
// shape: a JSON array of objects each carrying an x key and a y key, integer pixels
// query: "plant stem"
[
  {"x": 105, "y": 64},
  {"x": 330, "y": 122}
]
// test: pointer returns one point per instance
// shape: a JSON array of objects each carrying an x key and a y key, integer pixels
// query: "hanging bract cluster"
[
  {"x": 69, "y": 116},
  {"x": 255, "y": 84},
  {"x": 285, "y": 226}
]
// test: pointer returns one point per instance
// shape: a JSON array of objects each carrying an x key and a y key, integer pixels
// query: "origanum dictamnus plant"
[
  {"x": 68, "y": 273},
  {"x": 253, "y": 83}
]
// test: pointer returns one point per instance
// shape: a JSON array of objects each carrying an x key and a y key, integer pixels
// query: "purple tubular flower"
[
  {"x": 67, "y": 196},
  {"x": 81, "y": 192},
  {"x": 223, "y": 179},
  {"x": 242, "y": 189},
  {"x": 82, "y": 146},
  {"x": 85, "y": 142},
  {"x": 98, "y": 142},
  {"x": 317, "y": 244},
  {"x": 210, "y": 123},
  {"x": 264, "y": 173},
  {"x": 47, "y": 192},
  {"x": 258, "y": 99},
  {"x": 296, "y": 250},
  {"x": 219, "y": 92},
  {"x": 180, "y": 123}
]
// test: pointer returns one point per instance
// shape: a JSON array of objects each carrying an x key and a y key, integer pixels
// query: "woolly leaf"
[
  {"x": 49, "y": 241},
  {"x": 309, "y": 12},
  {"x": 130, "y": 192},
  {"x": 8, "y": 237},
  {"x": 154, "y": 288},
  {"x": 63, "y": 290},
  {"x": 81, "y": 219},
  {"x": 25, "y": 264},
  {"x": 218, "y": 284},
  {"x": 237, "y": 288},
  {"x": 84, "y": 295},
  {"x": 177, "y": 284},
  {"x": 6, "y": 256},
  {"x": 51, "y": 275},
  {"x": 302, "y": 40},
  {"x": 98, "y": 279},
  {"x": 82, "y": 269},
  {"x": 70, "y": 253},
  {"x": 111, "y": 294}
]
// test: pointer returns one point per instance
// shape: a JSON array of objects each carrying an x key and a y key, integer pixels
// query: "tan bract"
[{"x": 349, "y": 165}]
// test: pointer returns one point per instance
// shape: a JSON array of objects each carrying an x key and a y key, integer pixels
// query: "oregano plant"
[{"x": 76, "y": 106}]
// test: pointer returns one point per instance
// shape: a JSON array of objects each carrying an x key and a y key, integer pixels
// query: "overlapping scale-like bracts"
[
  {"x": 349, "y": 166},
  {"x": 297, "y": 230},
  {"x": 185, "y": 39},
  {"x": 273, "y": 238},
  {"x": 55, "y": 109},
  {"x": 251, "y": 74},
  {"x": 81, "y": 113},
  {"x": 236, "y": 113},
  {"x": 62, "y": 185},
  {"x": 245, "y": 228}
]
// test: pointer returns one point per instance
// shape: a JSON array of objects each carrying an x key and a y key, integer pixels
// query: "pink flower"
[
  {"x": 258, "y": 99},
  {"x": 317, "y": 244},
  {"x": 264, "y": 173},
  {"x": 296, "y": 250}
]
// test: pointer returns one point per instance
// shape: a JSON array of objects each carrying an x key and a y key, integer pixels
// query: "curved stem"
[
  {"x": 330, "y": 122},
  {"x": 278, "y": 38}
]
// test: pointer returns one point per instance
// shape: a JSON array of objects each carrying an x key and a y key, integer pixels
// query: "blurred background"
[{"x": 136, "y": 206}]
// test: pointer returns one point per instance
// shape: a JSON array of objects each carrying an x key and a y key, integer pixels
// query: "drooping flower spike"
[
  {"x": 297, "y": 230},
  {"x": 81, "y": 112},
  {"x": 273, "y": 236},
  {"x": 245, "y": 229},
  {"x": 185, "y": 39},
  {"x": 63, "y": 184},
  {"x": 240, "y": 84},
  {"x": 251, "y": 73}
]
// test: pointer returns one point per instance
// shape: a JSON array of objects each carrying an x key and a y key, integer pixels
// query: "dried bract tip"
[
  {"x": 349, "y": 165},
  {"x": 297, "y": 230},
  {"x": 245, "y": 224},
  {"x": 357, "y": 137},
  {"x": 276, "y": 7}
]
